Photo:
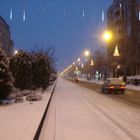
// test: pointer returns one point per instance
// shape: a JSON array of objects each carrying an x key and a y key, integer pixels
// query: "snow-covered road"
[{"x": 77, "y": 113}]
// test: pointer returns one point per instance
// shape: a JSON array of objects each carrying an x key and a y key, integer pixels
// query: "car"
[
  {"x": 136, "y": 82},
  {"x": 113, "y": 85}
]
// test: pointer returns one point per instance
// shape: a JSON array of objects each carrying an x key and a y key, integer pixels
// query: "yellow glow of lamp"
[
  {"x": 107, "y": 36},
  {"x": 116, "y": 52},
  {"x": 87, "y": 53}
]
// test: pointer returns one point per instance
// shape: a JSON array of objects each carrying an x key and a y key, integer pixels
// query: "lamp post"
[
  {"x": 88, "y": 55},
  {"x": 108, "y": 37},
  {"x": 77, "y": 70}
]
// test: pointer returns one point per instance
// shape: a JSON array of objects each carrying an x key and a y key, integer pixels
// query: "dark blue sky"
[{"x": 56, "y": 22}]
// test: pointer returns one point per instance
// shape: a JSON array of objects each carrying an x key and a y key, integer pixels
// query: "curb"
[{"x": 37, "y": 134}]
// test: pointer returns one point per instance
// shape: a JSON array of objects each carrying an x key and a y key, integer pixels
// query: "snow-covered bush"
[
  {"x": 40, "y": 71},
  {"x": 30, "y": 71},
  {"x": 26, "y": 92},
  {"x": 6, "y": 80},
  {"x": 34, "y": 97},
  {"x": 16, "y": 97},
  {"x": 21, "y": 67}
]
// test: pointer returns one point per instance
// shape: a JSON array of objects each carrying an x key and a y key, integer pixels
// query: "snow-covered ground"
[
  {"x": 19, "y": 121},
  {"x": 77, "y": 113}
]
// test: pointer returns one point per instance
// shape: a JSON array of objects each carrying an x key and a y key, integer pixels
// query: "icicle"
[
  {"x": 103, "y": 16},
  {"x": 11, "y": 14},
  {"x": 83, "y": 13},
  {"x": 24, "y": 15},
  {"x": 64, "y": 13},
  {"x": 43, "y": 10}
]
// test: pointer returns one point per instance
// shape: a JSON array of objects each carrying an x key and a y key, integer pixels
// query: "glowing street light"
[
  {"x": 16, "y": 52},
  {"x": 87, "y": 53},
  {"x": 107, "y": 36}
]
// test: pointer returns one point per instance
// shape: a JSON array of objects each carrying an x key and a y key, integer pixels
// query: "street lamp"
[
  {"x": 16, "y": 52},
  {"x": 88, "y": 56},
  {"x": 107, "y": 36},
  {"x": 87, "y": 53},
  {"x": 73, "y": 63}
]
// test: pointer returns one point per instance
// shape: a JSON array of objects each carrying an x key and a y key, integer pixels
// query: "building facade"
[
  {"x": 6, "y": 43},
  {"x": 123, "y": 19}
]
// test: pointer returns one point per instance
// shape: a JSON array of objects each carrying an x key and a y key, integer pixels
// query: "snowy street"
[{"x": 77, "y": 113}]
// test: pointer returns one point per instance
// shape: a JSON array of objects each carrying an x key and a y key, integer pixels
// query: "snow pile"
[{"x": 134, "y": 77}]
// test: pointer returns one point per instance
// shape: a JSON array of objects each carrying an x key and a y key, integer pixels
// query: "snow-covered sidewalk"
[
  {"x": 133, "y": 87},
  {"x": 20, "y": 121}
]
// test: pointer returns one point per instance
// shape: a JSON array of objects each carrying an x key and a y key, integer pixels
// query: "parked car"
[
  {"x": 136, "y": 82},
  {"x": 113, "y": 85}
]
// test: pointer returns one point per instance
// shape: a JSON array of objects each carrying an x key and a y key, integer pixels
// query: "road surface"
[{"x": 77, "y": 113}]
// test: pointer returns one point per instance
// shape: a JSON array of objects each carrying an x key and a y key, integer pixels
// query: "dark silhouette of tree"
[
  {"x": 6, "y": 80},
  {"x": 40, "y": 70},
  {"x": 21, "y": 67}
]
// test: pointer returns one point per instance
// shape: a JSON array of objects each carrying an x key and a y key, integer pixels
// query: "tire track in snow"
[{"x": 127, "y": 132}]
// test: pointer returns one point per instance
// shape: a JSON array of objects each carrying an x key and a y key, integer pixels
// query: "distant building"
[
  {"x": 123, "y": 19},
  {"x": 6, "y": 43}
]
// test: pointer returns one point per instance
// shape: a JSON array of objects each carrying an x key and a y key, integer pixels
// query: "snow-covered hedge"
[{"x": 6, "y": 80}]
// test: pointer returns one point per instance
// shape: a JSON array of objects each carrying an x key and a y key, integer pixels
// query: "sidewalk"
[{"x": 20, "y": 121}]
